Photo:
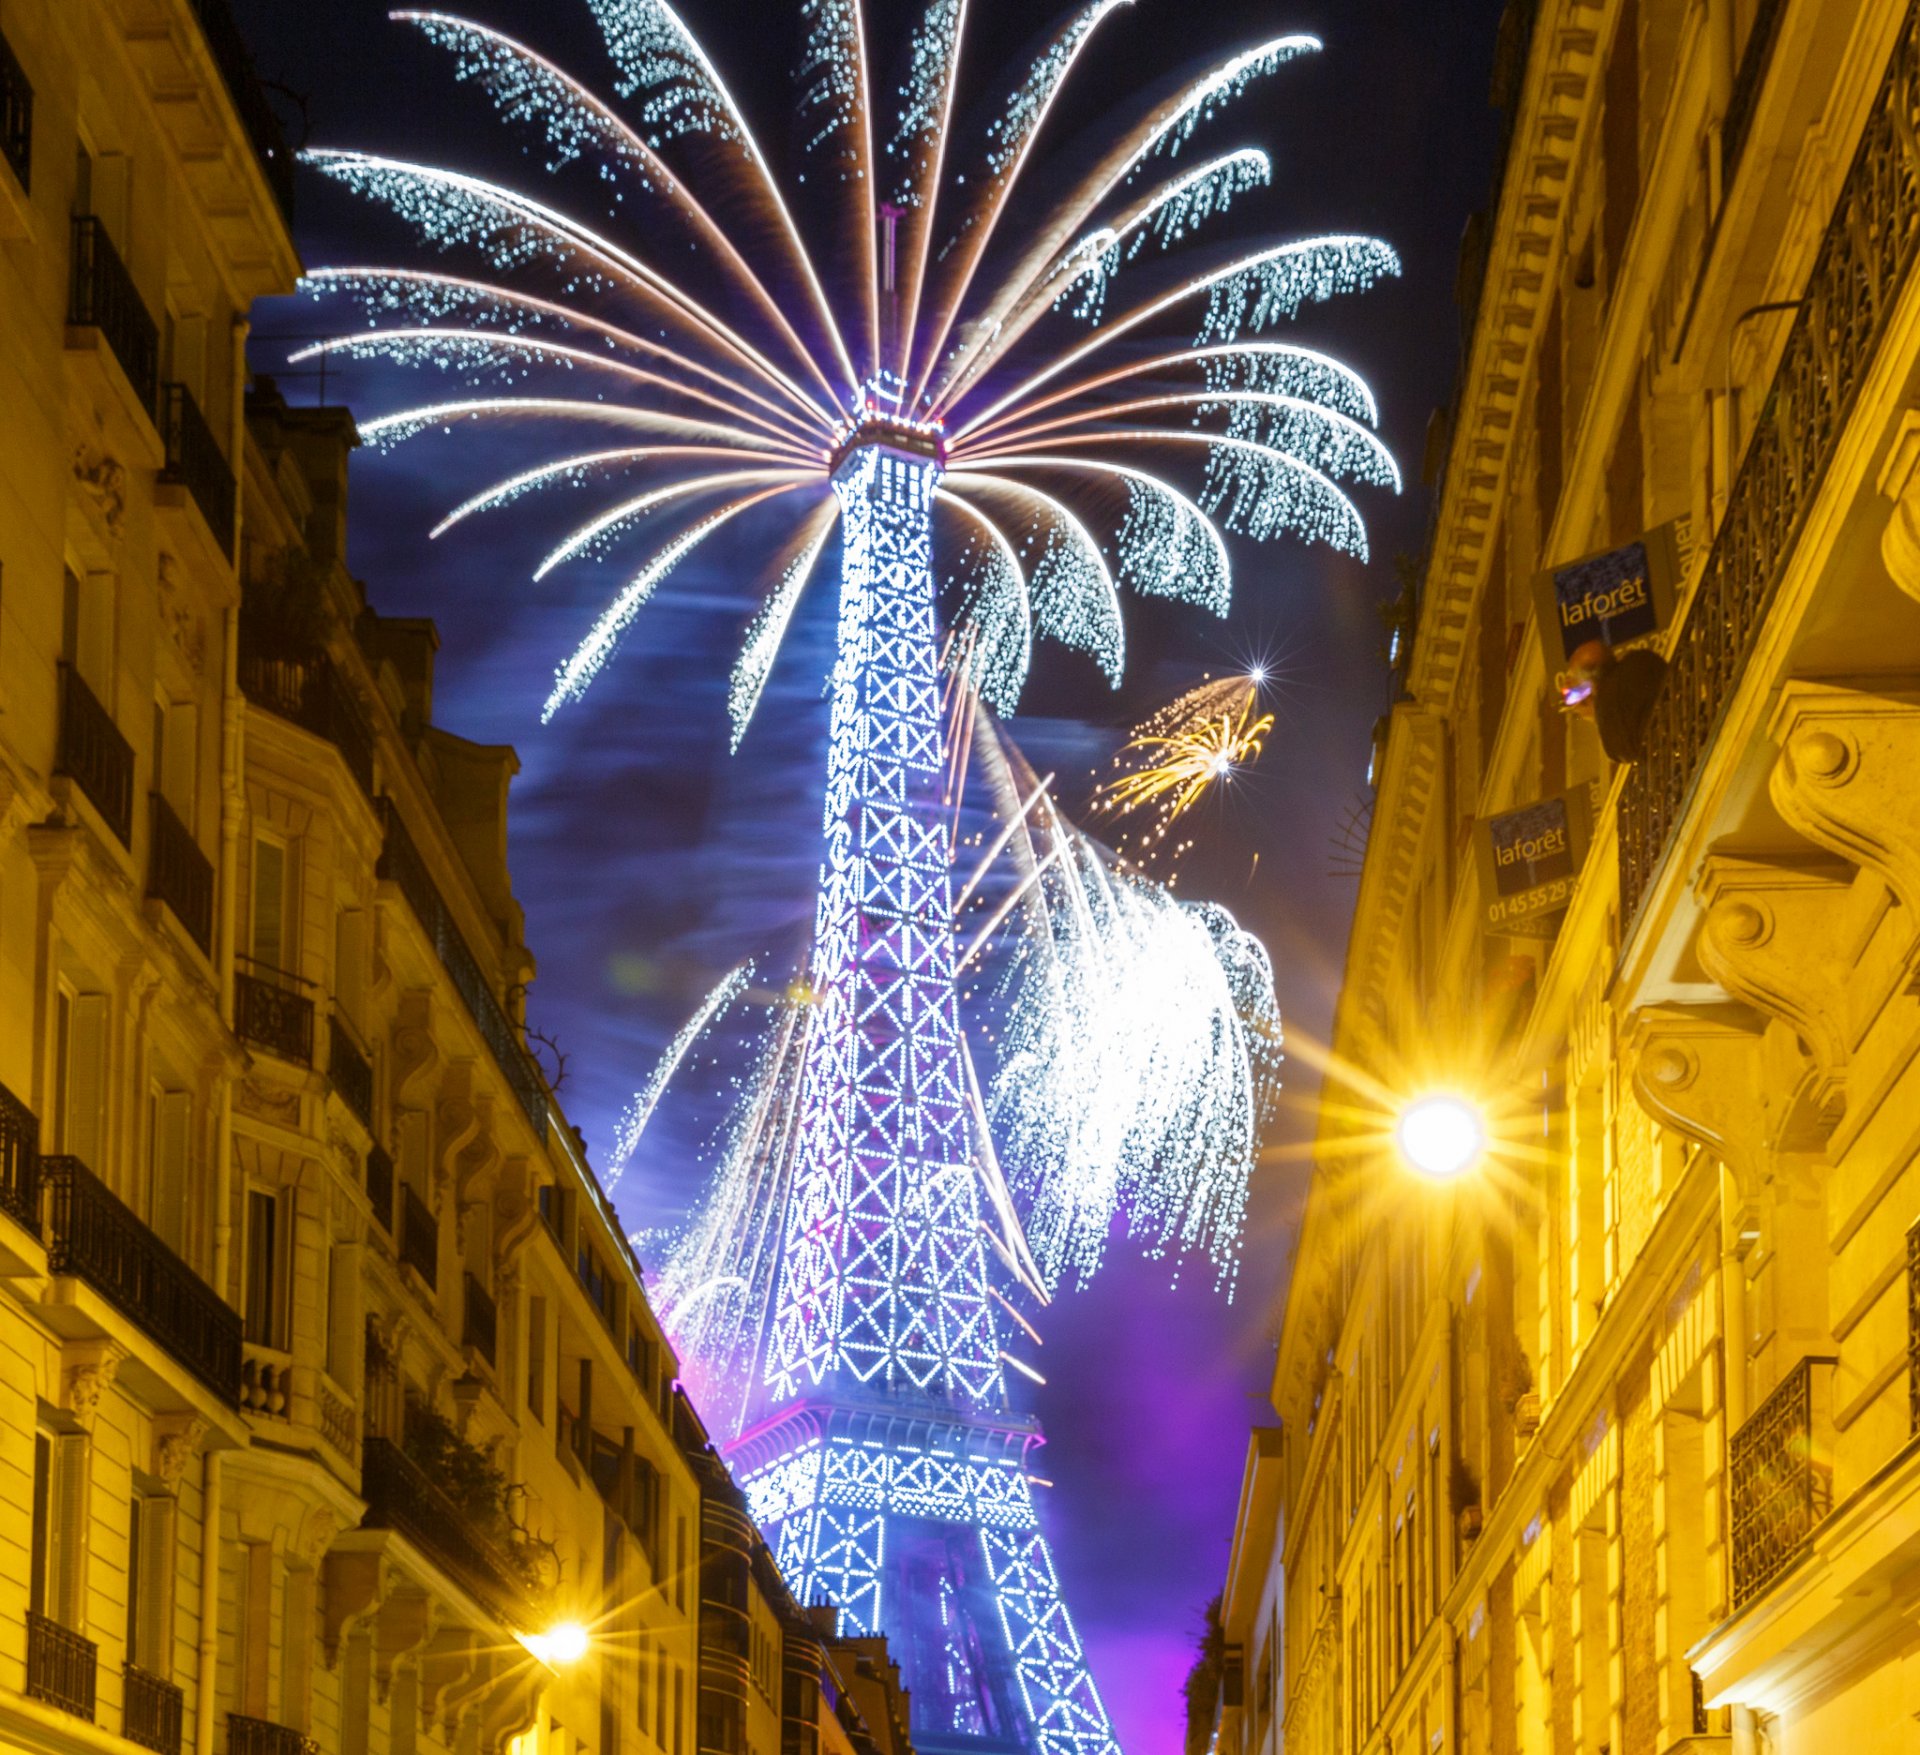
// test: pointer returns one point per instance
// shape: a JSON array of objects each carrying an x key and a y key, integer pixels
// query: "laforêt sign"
[
  {"x": 1530, "y": 861},
  {"x": 1616, "y": 596}
]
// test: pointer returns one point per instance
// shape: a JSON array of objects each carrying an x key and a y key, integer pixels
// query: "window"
[
  {"x": 679, "y": 1690},
  {"x": 349, "y": 965},
  {"x": 79, "y": 1075},
  {"x": 86, "y": 630},
  {"x": 270, "y": 938},
  {"x": 175, "y": 757},
  {"x": 537, "y": 1357},
  {"x": 150, "y": 1568},
  {"x": 264, "y": 1276},
  {"x": 679, "y": 1589},
  {"x": 56, "y": 1587}
]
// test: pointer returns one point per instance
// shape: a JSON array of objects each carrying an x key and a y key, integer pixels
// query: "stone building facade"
[
  {"x": 1610, "y": 1444},
  {"x": 329, "y": 1389}
]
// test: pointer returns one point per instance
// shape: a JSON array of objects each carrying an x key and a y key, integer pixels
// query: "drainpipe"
[
  {"x": 1733, "y": 1310},
  {"x": 208, "y": 1681}
]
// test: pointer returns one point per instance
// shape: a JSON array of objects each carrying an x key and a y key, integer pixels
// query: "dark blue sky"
[{"x": 649, "y": 861}]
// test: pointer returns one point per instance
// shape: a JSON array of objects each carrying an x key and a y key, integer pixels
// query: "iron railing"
[
  {"x": 401, "y": 1498},
  {"x": 16, "y": 116},
  {"x": 400, "y": 861},
  {"x": 380, "y": 1185},
  {"x": 419, "y": 1236},
  {"x": 274, "y": 1017},
  {"x": 151, "y": 1716},
  {"x": 179, "y": 874},
  {"x": 195, "y": 460},
  {"x": 101, "y": 295},
  {"x": 62, "y": 1666},
  {"x": 19, "y": 1162},
  {"x": 243, "y": 86},
  {"x": 1862, "y": 266},
  {"x": 97, "y": 1237},
  {"x": 1780, "y": 1483},
  {"x": 94, "y": 755},
  {"x": 349, "y": 1071},
  {"x": 298, "y": 682},
  {"x": 480, "y": 1320},
  {"x": 258, "y": 1736}
]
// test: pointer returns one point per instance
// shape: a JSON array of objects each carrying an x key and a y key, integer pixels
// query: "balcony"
[
  {"x": 196, "y": 462},
  {"x": 152, "y": 1712},
  {"x": 257, "y": 1736},
  {"x": 95, "y": 1236},
  {"x": 349, "y": 1071},
  {"x": 298, "y": 683},
  {"x": 230, "y": 55},
  {"x": 180, "y": 875},
  {"x": 401, "y": 1498},
  {"x": 339, "y": 1424},
  {"x": 94, "y": 756},
  {"x": 480, "y": 1321},
  {"x": 19, "y": 1162},
  {"x": 16, "y": 117},
  {"x": 61, "y": 1666},
  {"x": 400, "y": 863},
  {"x": 380, "y": 1185},
  {"x": 1862, "y": 265},
  {"x": 1780, "y": 1478},
  {"x": 101, "y": 295},
  {"x": 269, "y": 1014},
  {"x": 266, "y": 1381},
  {"x": 419, "y": 1237}
]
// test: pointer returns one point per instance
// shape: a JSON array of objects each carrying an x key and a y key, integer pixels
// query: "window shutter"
[
  {"x": 85, "y": 1133},
  {"x": 67, "y": 1531},
  {"x": 172, "y": 1123},
  {"x": 269, "y": 903}
]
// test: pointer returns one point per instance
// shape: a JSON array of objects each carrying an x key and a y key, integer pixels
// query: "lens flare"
[{"x": 1441, "y": 1136}]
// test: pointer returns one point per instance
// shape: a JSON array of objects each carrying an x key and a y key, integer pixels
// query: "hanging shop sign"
[
  {"x": 1616, "y": 597},
  {"x": 1530, "y": 860}
]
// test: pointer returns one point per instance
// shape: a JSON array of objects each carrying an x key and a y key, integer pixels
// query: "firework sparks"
[
  {"x": 1185, "y": 750},
  {"x": 1043, "y": 518}
]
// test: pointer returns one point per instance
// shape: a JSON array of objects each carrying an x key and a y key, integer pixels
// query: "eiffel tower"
[{"x": 886, "y": 1465}]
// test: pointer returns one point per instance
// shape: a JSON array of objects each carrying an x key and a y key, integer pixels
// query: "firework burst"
[
  {"x": 1177, "y": 757},
  {"x": 733, "y": 388}
]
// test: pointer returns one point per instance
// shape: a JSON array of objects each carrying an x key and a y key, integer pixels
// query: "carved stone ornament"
[
  {"x": 186, "y": 630},
  {"x": 103, "y": 479},
  {"x": 175, "y": 1445},
  {"x": 88, "y": 1380},
  {"x": 268, "y": 1102},
  {"x": 316, "y": 1536}
]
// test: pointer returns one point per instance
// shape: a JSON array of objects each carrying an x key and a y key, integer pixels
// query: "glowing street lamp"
[
  {"x": 1441, "y": 1136},
  {"x": 561, "y": 1645}
]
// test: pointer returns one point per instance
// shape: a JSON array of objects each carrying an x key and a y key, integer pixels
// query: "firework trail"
[{"x": 633, "y": 1123}]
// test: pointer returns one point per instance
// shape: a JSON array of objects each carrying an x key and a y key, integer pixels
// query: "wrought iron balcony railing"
[
  {"x": 380, "y": 1185},
  {"x": 152, "y": 1714},
  {"x": 419, "y": 1236},
  {"x": 95, "y": 1236},
  {"x": 258, "y": 1736},
  {"x": 400, "y": 861},
  {"x": 101, "y": 295},
  {"x": 401, "y": 1498},
  {"x": 1863, "y": 263},
  {"x": 94, "y": 755},
  {"x": 16, "y": 117},
  {"x": 62, "y": 1666},
  {"x": 480, "y": 1320},
  {"x": 19, "y": 1162},
  {"x": 179, "y": 874},
  {"x": 268, "y": 1013},
  {"x": 1779, "y": 1479},
  {"x": 298, "y": 682},
  {"x": 195, "y": 460},
  {"x": 243, "y": 86},
  {"x": 1913, "y": 1331},
  {"x": 349, "y": 1071}
]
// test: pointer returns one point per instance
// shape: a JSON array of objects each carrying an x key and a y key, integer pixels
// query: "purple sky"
[{"x": 649, "y": 861}]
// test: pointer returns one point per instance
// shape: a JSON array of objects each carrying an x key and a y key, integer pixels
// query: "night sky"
[{"x": 649, "y": 861}]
